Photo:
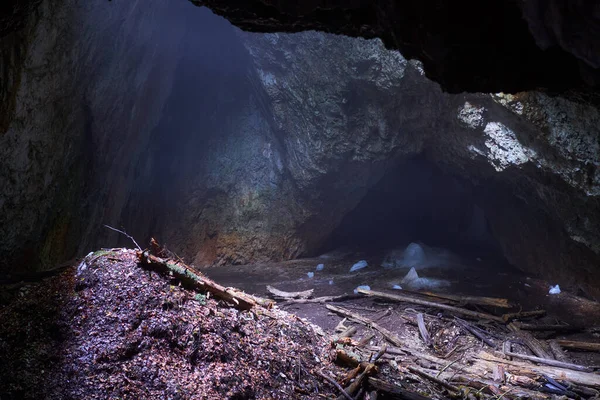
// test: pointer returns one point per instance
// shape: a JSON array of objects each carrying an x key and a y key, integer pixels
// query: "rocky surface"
[
  {"x": 467, "y": 45},
  {"x": 254, "y": 147},
  {"x": 84, "y": 91}
]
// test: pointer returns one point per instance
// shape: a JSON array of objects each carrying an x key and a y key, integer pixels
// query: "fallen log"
[
  {"x": 408, "y": 299},
  {"x": 476, "y": 300},
  {"x": 554, "y": 363},
  {"x": 557, "y": 328},
  {"x": 575, "y": 345},
  {"x": 389, "y": 336},
  {"x": 190, "y": 277},
  {"x": 290, "y": 295},
  {"x": 520, "y": 368}
]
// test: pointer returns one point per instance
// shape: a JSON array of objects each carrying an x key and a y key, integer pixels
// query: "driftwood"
[
  {"x": 554, "y": 363},
  {"x": 190, "y": 277},
  {"x": 290, "y": 295},
  {"x": 391, "y": 337},
  {"x": 574, "y": 345},
  {"x": 409, "y": 299},
  {"x": 520, "y": 368}
]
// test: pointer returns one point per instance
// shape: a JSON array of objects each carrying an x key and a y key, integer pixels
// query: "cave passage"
[{"x": 416, "y": 201}]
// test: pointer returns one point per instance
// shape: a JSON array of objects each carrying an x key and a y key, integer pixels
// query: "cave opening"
[{"x": 416, "y": 201}]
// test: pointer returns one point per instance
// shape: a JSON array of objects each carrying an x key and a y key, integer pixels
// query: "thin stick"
[
  {"x": 433, "y": 379},
  {"x": 126, "y": 234},
  {"x": 475, "y": 333},
  {"x": 554, "y": 363},
  {"x": 423, "y": 330},
  {"x": 391, "y": 337},
  {"x": 337, "y": 385}
]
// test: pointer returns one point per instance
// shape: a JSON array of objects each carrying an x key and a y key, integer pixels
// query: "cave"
[{"x": 192, "y": 188}]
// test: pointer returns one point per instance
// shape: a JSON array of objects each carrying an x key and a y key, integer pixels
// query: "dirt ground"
[{"x": 110, "y": 329}]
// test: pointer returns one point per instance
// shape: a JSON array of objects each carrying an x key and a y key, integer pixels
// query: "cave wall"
[
  {"x": 83, "y": 85},
  {"x": 254, "y": 147}
]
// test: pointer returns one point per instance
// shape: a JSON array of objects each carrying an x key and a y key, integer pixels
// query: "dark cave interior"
[{"x": 416, "y": 201}]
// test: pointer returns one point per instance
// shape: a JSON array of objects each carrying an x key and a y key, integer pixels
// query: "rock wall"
[
  {"x": 235, "y": 147},
  {"x": 85, "y": 84}
]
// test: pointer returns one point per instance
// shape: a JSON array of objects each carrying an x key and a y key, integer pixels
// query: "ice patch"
[
  {"x": 359, "y": 265},
  {"x": 414, "y": 282},
  {"x": 310, "y": 274},
  {"x": 419, "y": 256},
  {"x": 320, "y": 267},
  {"x": 363, "y": 287},
  {"x": 554, "y": 290}
]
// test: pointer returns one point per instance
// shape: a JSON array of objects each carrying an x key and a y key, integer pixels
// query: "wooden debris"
[
  {"x": 320, "y": 300},
  {"x": 394, "y": 391},
  {"x": 190, "y": 277},
  {"x": 498, "y": 373},
  {"x": 434, "y": 379},
  {"x": 391, "y": 337},
  {"x": 557, "y": 328},
  {"x": 337, "y": 385},
  {"x": 423, "y": 330},
  {"x": 553, "y": 363},
  {"x": 523, "y": 314},
  {"x": 478, "y": 333},
  {"x": 558, "y": 352},
  {"x": 575, "y": 345},
  {"x": 520, "y": 368},
  {"x": 476, "y": 300},
  {"x": 408, "y": 299},
  {"x": 290, "y": 295},
  {"x": 534, "y": 345}
]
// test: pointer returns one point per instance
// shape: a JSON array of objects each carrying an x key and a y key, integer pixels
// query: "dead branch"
[
  {"x": 530, "y": 341},
  {"x": 423, "y": 330},
  {"x": 434, "y": 379},
  {"x": 523, "y": 314},
  {"x": 554, "y": 363},
  {"x": 334, "y": 383},
  {"x": 290, "y": 295},
  {"x": 408, "y": 299},
  {"x": 392, "y": 338},
  {"x": 126, "y": 234},
  {"x": 475, "y": 332},
  {"x": 478, "y": 300},
  {"x": 192, "y": 278},
  {"x": 586, "y": 346}
]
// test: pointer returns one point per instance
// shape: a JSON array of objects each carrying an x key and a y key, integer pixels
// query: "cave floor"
[{"x": 475, "y": 277}]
